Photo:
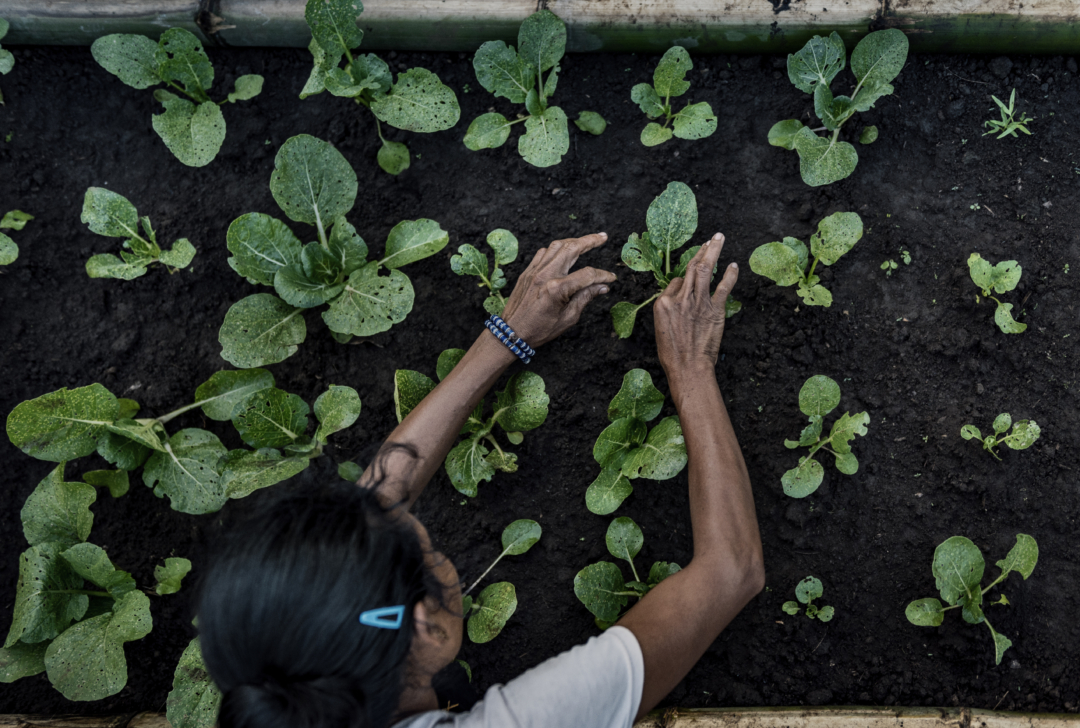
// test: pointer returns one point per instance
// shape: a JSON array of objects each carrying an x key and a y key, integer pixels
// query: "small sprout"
[
  {"x": 1000, "y": 278},
  {"x": 591, "y": 122},
  {"x": 16, "y": 219},
  {"x": 806, "y": 592},
  {"x": 787, "y": 263},
  {"x": 869, "y": 135},
  {"x": 7, "y": 61},
  {"x": 975, "y": 207},
  {"x": 1024, "y": 434},
  {"x": 889, "y": 266},
  {"x": 489, "y": 612},
  {"x": 470, "y": 261},
  {"x": 111, "y": 215},
  {"x": 349, "y": 471},
  {"x": 1008, "y": 125},
  {"x": 695, "y": 121},
  {"x": 958, "y": 567}
]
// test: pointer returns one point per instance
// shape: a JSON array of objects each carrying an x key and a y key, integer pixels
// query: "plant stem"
[
  {"x": 176, "y": 413},
  {"x": 466, "y": 592},
  {"x": 190, "y": 96},
  {"x": 811, "y": 273},
  {"x": 632, "y": 568}
]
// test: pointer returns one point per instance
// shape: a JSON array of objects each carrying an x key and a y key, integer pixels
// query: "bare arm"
[
  {"x": 677, "y": 621},
  {"x": 546, "y": 301}
]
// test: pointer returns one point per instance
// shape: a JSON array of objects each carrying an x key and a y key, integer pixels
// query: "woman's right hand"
[{"x": 548, "y": 299}]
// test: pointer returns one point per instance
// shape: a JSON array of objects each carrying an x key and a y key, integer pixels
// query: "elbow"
[{"x": 755, "y": 579}]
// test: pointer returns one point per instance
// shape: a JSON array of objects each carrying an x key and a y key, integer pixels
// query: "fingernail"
[
  {"x": 717, "y": 236},
  {"x": 603, "y": 289},
  {"x": 734, "y": 265},
  {"x": 706, "y": 244},
  {"x": 603, "y": 235}
]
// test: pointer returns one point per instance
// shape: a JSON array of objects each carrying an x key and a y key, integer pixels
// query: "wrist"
[
  {"x": 686, "y": 379},
  {"x": 493, "y": 350}
]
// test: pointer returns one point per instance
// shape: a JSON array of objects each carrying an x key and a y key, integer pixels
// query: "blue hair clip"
[{"x": 384, "y": 617}]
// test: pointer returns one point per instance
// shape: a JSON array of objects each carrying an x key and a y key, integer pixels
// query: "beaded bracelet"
[{"x": 512, "y": 341}]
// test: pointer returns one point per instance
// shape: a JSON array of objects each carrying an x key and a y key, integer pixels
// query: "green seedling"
[
  {"x": 889, "y": 266},
  {"x": 13, "y": 220},
  {"x": 192, "y": 467},
  {"x": 601, "y": 587},
  {"x": 671, "y": 220},
  {"x": 194, "y": 700},
  {"x": 695, "y": 121},
  {"x": 349, "y": 471},
  {"x": 112, "y": 215},
  {"x": 193, "y": 128},
  {"x": 788, "y": 263},
  {"x": 1000, "y": 278},
  {"x": 73, "y": 609},
  {"x": 806, "y": 592},
  {"x": 627, "y": 449},
  {"x": 958, "y": 568},
  {"x": 489, "y": 612},
  {"x": 1024, "y": 434},
  {"x": 819, "y": 396},
  {"x": 418, "y": 101},
  {"x": 7, "y": 60},
  {"x": 471, "y": 262},
  {"x": 313, "y": 183},
  {"x": 520, "y": 407},
  {"x": 518, "y": 75},
  {"x": 876, "y": 61},
  {"x": 1008, "y": 125}
]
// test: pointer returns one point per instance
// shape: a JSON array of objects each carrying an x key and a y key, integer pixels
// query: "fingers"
[
  {"x": 562, "y": 254},
  {"x": 568, "y": 287},
  {"x": 581, "y": 300},
  {"x": 727, "y": 283},
  {"x": 673, "y": 288},
  {"x": 700, "y": 268}
]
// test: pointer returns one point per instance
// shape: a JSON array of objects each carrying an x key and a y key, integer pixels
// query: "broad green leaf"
[
  {"x": 808, "y": 589},
  {"x": 194, "y": 700},
  {"x": 187, "y": 62},
  {"x": 503, "y": 461},
  {"x": 261, "y": 246},
  {"x": 115, "y": 480},
  {"x": 867, "y": 95},
  {"x": 271, "y": 418},
  {"x": 259, "y": 330},
  {"x": 9, "y": 251},
  {"x": 970, "y": 431},
  {"x": 607, "y": 492},
  {"x": 487, "y": 131},
  {"x": 169, "y": 576},
  {"x": 810, "y": 434},
  {"x": 469, "y": 262},
  {"x": 668, "y": 78},
  {"x": 817, "y": 62},
  {"x": 246, "y": 88},
  {"x": 312, "y": 182},
  {"x": 868, "y": 135},
  {"x": 836, "y": 235},
  {"x": 491, "y": 610},
  {"x": 22, "y": 660},
  {"x": 523, "y": 404},
  {"x": 110, "y": 214},
  {"x": 823, "y": 160},
  {"x": 336, "y": 408},
  {"x": 413, "y": 240},
  {"x": 193, "y": 134},
  {"x": 591, "y": 122},
  {"x": 180, "y": 256},
  {"x": 1023, "y": 435},
  {"x": 370, "y": 303},
  {"x": 1021, "y": 558},
  {"x": 316, "y": 82},
  {"x": 847, "y": 463},
  {"x": 623, "y": 315},
  {"x": 134, "y": 59},
  {"x": 654, "y": 134},
  {"x": 44, "y": 604},
  {"x": 349, "y": 471},
  {"x": 245, "y": 471},
  {"x": 418, "y": 102},
  {"x": 223, "y": 393},
  {"x": 777, "y": 262},
  {"x": 1002, "y": 278},
  {"x": 803, "y": 479},
  {"x": 800, "y": 249},
  {"x": 782, "y": 133},
  {"x": 880, "y": 56},
  {"x": 1003, "y": 318},
  {"x": 105, "y": 265},
  {"x": 92, "y": 563},
  {"x": 617, "y": 441},
  {"x": 15, "y": 220},
  {"x": 925, "y": 612},
  {"x": 819, "y": 396},
  {"x": 825, "y": 614},
  {"x": 661, "y": 570},
  {"x": 542, "y": 39},
  {"x": 333, "y": 24},
  {"x": 696, "y": 121},
  {"x": 393, "y": 157},
  {"x": 349, "y": 249},
  {"x": 532, "y": 103},
  {"x": 493, "y": 304},
  {"x": 958, "y": 568},
  {"x": 128, "y": 408},
  {"x": 466, "y": 464},
  {"x": 546, "y": 138},
  {"x": 636, "y": 398},
  {"x": 520, "y": 536},
  {"x": 648, "y": 101},
  {"x": 62, "y": 425},
  {"x": 504, "y": 244},
  {"x": 410, "y": 388},
  {"x": 500, "y": 70},
  {"x": 814, "y": 295},
  {"x": 1002, "y": 422},
  {"x": 791, "y": 608},
  {"x": 599, "y": 587},
  {"x": 447, "y": 361},
  {"x": 515, "y": 438},
  {"x": 624, "y": 539},
  {"x": 982, "y": 273},
  {"x": 58, "y": 512},
  {"x": 672, "y": 217},
  {"x": 1001, "y": 643},
  {"x": 833, "y": 111},
  {"x": 845, "y": 429},
  {"x": 296, "y": 289},
  {"x": 661, "y": 456},
  {"x": 641, "y": 255},
  {"x": 189, "y": 472},
  {"x": 87, "y": 661},
  {"x": 371, "y": 72},
  {"x": 120, "y": 451}
]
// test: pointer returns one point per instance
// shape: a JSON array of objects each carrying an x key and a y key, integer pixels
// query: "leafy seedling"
[
  {"x": 600, "y": 586},
  {"x": 818, "y": 397},
  {"x": 313, "y": 183},
  {"x": 489, "y": 612},
  {"x": 471, "y": 262},
  {"x": 1008, "y": 125},
  {"x": 518, "y": 75},
  {"x": 520, "y": 407},
  {"x": 7, "y": 60},
  {"x": 192, "y": 467},
  {"x": 627, "y": 449},
  {"x": 876, "y": 61},
  {"x": 13, "y": 219},
  {"x": 418, "y": 101},
  {"x": 958, "y": 570},
  {"x": 788, "y": 263},
  {"x": 193, "y": 128},
  {"x": 695, "y": 121},
  {"x": 112, "y": 215},
  {"x": 671, "y": 220},
  {"x": 73, "y": 609},
  {"x": 889, "y": 266},
  {"x": 1024, "y": 434},
  {"x": 1000, "y": 278},
  {"x": 806, "y": 592}
]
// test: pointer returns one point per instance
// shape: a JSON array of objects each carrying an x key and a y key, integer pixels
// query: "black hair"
[{"x": 279, "y": 611}]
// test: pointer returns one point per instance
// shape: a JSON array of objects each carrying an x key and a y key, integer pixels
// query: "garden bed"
[{"x": 913, "y": 349}]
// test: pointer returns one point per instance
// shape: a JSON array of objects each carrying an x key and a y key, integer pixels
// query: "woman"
[{"x": 280, "y": 631}]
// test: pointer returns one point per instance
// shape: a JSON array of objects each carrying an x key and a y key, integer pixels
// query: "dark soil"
[{"x": 913, "y": 349}]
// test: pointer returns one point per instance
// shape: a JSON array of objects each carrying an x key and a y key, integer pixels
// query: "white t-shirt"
[{"x": 597, "y": 684}]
